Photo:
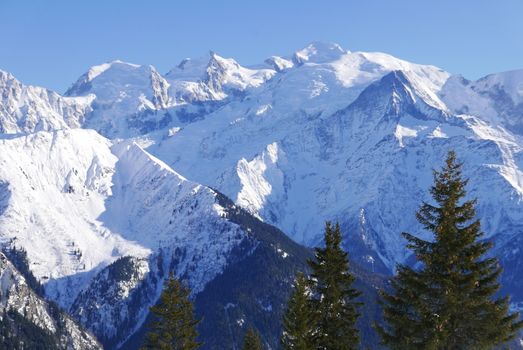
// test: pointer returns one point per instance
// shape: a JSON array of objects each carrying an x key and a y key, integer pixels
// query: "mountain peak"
[
  {"x": 319, "y": 52},
  {"x": 395, "y": 77},
  {"x": 198, "y": 69},
  {"x": 6, "y": 80},
  {"x": 111, "y": 72},
  {"x": 4, "y": 75},
  {"x": 402, "y": 94},
  {"x": 226, "y": 73},
  {"x": 216, "y": 59},
  {"x": 279, "y": 63},
  {"x": 95, "y": 71}
]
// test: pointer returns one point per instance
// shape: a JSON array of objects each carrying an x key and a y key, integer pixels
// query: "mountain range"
[{"x": 225, "y": 174}]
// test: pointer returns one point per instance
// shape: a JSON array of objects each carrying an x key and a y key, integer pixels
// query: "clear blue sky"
[{"x": 53, "y": 42}]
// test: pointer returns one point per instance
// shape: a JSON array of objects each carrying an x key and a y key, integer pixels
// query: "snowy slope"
[
  {"x": 355, "y": 165},
  {"x": 76, "y": 206},
  {"x": 76, "y": 203},
  {"x": 56, "y": 185},
  {"x": 496, "y": 98}
]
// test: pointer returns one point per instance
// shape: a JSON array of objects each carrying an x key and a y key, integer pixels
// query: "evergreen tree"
[
  {"x": 18, "y": 257},
  {"x": 173, "y": 326},
  {"x": 299, "y": 319},
  {"x": 19, "y": 333},
  {"x": 252, "y": 340},
  {"x": 448, "y": 302},
  {"x": 334, "y": 298}
]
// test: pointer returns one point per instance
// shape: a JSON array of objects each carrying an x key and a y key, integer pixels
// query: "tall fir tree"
[
  {"x": 449, "y": 301},
  {"x": 334, "y": 297},
  {"x": 299, "y": 319},
  {"x": 173, "y": 326},
  {"x": 252, "y": 340}
]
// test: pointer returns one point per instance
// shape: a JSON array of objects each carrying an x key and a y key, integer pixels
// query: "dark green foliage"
[
  {"x": 18, "y": 257},
  {"x": 333, "y": 295},
  {"x": 122, "y": 269},
  {"x": 449, "y": 302},
  {"x": 251, "y": 340},
  {"x": 18, "y": 333},
  {"x": 299, "y": 319},
  {"x": 173, "y": 326}
]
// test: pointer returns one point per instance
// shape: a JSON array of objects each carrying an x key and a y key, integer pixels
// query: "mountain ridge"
[{"x": 136, "y": 162}]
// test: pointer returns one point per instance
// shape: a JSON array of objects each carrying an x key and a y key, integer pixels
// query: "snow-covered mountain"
[
  {"x": 76, "y": 203},
  {"x": 129, "y": 99},
  {"x": 116, "y": 182},
  {"x": 357, "y": 165},
  {"x": 26, "y": 109},
  {"x": 123, "y": 94}
]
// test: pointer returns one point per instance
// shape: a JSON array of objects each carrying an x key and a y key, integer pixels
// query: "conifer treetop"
[{"x": 449, "y": 301}]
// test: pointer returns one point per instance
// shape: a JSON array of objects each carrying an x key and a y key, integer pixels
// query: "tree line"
[{"x": 446, "y": 301}]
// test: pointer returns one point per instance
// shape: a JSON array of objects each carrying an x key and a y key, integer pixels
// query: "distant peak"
[
  {"x": 214, "y": 57},
  {"x": 279, "y": 63},
  {"x": 124, "y": 63},
  {"x": 97, "y": 70},
  {"x": 218, "y": 67},
  {"x": 7, "y": 79},
  {"x": 326, "y": 46},
  {"x": 190, "y": 63},
  {"x": 221, "y": 60},
  {"x": 406, "y": 90},
  {"x": 111, "y": 69},
  {"x": 393, "y": 84},
  {"x": 104, "y": 66},
  {"x": 397, "y": 76},
  {"x": 404, "y": 85},
  {"x": 319, "y": 52},
  {"x": 6, "y": 75}
]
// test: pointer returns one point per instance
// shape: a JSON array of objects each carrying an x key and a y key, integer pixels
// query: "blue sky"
[{"x": 52, "y": 42}]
